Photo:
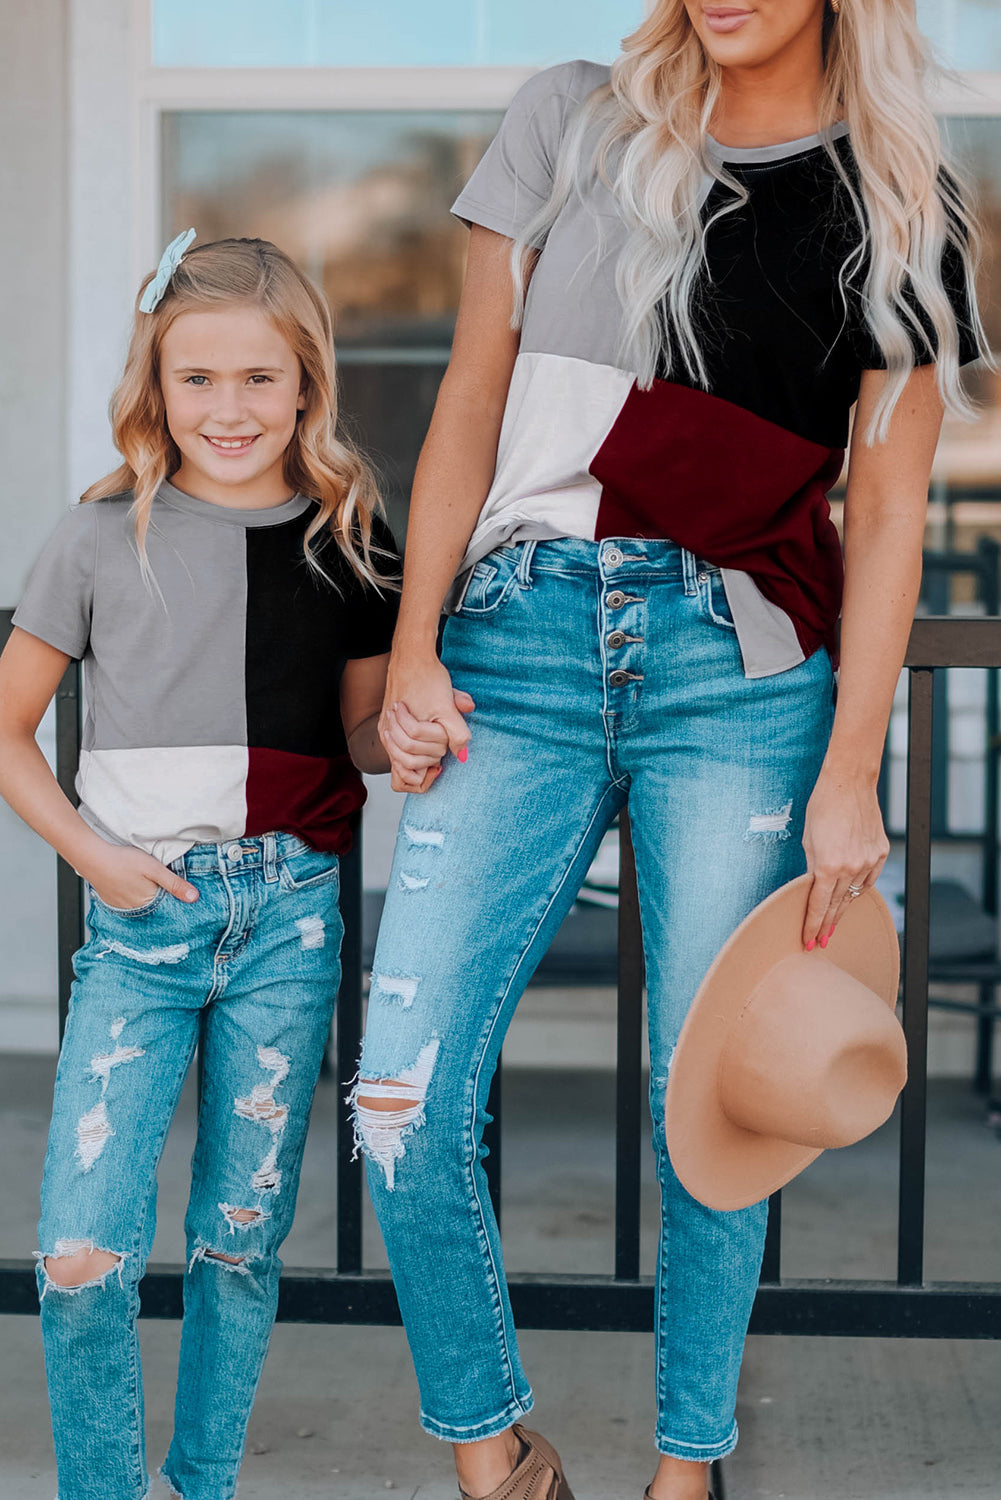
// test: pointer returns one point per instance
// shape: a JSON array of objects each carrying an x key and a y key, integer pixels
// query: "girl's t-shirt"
[
  {"x": 738, "y": 472},
  {"x": 212, "y": 697}
]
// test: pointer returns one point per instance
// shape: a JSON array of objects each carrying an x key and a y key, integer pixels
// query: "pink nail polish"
[
  {"x": 823, "y": 941},
  {"x": 810, "y": 945},
  {"x": 831, "y": 933},
  {"x": 463, "y": 755}
]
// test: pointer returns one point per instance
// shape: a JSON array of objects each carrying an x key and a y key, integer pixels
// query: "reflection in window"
[
  {"x": 360, "y": 201},
  {"x": 387, "y": 33},
  {"x": 968, "y": 464}
]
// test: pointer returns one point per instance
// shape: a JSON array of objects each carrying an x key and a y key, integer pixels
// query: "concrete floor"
[{"x": 335, "y": 1417}]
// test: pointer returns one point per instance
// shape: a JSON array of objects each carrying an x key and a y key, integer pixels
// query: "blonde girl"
[
  {"x": 230, "y": 589},
  {"x": 719, "y": 245}
]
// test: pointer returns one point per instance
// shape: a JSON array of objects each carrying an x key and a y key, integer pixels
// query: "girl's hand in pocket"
[{"x": 124, "y": 877}]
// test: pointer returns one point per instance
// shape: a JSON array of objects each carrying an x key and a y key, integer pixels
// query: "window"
[{"x": 390, "y": 33}]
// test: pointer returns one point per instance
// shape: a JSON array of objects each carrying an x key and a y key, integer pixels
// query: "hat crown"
[{"x": 815, "y": 1057}]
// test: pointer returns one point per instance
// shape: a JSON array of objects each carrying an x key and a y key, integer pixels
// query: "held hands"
[
  {"x": 845, "y": 844},
  {"x": 125, "y": 877},
  {"x": 420, "y": 722}
]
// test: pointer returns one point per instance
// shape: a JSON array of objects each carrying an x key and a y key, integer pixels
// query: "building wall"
[{"x": 33, "y": 175}]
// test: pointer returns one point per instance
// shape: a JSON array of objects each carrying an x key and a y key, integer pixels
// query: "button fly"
[
  {"x": 234, "y": 852},
  {"x": 619, "y": 678},
  {"x": 613, "y": 557},
  {"x": 617, "y": 639},
  {"x": 616, "y": 599}
]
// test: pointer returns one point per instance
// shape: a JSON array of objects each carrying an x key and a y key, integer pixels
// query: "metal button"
[
  {"x": 703, "y": 577},
  {"x": 234, "y": 852},
  {"x": 617, "y": 639},
  {"x": 613, "y": 557},
  {"x": 619, "y": 678},
  {"x": 615, "y": 600}
]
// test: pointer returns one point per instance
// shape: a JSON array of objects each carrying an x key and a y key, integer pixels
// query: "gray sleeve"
[
  {"x": 515, "y": 174},
  {"x": 58, "y": 597}
]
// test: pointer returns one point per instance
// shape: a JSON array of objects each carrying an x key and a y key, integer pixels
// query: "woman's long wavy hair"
[
  {"x": 654, "y": 115},
  {"x": 317, "y": 461}
]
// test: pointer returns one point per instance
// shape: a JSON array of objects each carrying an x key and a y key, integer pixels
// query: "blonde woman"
[
  {"x": 718, "y": 247},
  {"x": 229, "y": 589}
]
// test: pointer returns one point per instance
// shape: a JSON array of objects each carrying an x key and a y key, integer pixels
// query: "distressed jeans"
[
  {"x": 250, "y": 971},
  {"x": 601, "y": 672}
]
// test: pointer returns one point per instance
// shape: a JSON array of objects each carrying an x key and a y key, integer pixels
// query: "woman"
[{"x": 717, "y": 248}]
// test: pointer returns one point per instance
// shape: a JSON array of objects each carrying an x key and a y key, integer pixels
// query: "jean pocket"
[
  {"x": 308, "y": 868},
  {"x": 712, "y": 593},
  {"x": 491, "y": 582},
  {"x": 127, "y": 911}
]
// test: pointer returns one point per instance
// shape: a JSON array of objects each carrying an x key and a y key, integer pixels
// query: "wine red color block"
[
  {"x": 735, "y": 489},
  {"x": 310, "y": 795}
]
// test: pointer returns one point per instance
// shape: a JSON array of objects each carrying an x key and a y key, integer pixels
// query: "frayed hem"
[
  {"x": 175, "y": 1493},
  {"x": 698, "y": 1453},
  {"x": 488, "y": 1429}
]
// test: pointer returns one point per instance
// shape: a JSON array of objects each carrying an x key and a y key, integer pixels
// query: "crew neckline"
[
  {"x": 226, "y": 515},
  {"x": 777, "y": 151}
]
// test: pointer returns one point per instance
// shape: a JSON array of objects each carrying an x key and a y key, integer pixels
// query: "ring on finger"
[{"x": 855, "y": 890}]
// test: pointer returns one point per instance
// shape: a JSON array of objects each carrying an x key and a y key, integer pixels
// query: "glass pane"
[
  {"x": 386, "y": 33},
  {"x": 966, "y": 33},
  {"x": 361, "y": 201},
  {"x": 969, "y": 456}
]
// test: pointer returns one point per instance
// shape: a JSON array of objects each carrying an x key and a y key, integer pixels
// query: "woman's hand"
[
  {"x": 422, "y": 719},
  {"x": 125, "y": 877},
  {"x": 845, "y": 845}
]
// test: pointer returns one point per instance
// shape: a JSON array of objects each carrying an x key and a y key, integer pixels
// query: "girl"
[
  {"x": 229, "y": 589},
  {"x": 717, "y": 245}
]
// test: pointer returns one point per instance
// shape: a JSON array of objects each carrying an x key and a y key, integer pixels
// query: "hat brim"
[{"x": 719, "y": 1163}]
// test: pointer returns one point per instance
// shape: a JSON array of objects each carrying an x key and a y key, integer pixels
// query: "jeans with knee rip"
[
  {"x": 601, "y": 672},
  {"x": 249, "y": 973}
]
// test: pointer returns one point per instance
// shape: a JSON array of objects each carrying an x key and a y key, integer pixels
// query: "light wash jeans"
[
  {"x": 717, "y": 770},
  {"x": 255, "y": 964}
]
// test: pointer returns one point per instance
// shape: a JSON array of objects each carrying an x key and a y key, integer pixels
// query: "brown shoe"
[
  {"x": 539, "y": 1475},
  {"x": 647, "y": 1495}
]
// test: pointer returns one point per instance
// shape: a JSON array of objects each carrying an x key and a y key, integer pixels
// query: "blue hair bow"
[{"x": 169, "y": 262}]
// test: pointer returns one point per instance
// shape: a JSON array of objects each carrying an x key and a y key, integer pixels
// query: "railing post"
[{"x": 911, "y": 1217}]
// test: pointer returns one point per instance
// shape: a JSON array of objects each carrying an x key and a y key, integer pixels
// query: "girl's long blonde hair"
[
  {"x": 317, "y": 461},
  {"x": 656, "y": 111}
]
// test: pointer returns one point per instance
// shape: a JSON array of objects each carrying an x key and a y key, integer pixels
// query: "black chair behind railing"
[
  {"x": 623, "y": 1300},
  {"x": 963, "y": 928}
]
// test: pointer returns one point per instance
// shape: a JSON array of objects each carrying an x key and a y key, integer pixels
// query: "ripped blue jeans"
[
  {"x": 597, "y": 677},
  {"x": 251, "y": 972}
]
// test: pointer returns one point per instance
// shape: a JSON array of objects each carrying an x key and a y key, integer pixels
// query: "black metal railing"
[{"x": 623, "y": 1300}]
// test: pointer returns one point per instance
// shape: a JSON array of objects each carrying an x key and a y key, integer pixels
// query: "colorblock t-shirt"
[
  {"x": 212, "y": 697},
  {"x": 738, "y": 473}
]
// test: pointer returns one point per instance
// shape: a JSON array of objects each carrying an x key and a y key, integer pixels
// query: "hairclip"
[{"x": 169, "y": 262}]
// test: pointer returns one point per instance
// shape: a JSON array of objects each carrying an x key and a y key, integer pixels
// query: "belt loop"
[
  {"x": 689, "y": 569},
  {"x": 269, "y": 847},
  {"x": 524, "y": 574}
]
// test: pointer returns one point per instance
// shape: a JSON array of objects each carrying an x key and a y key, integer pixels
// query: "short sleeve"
[
  {"x": 870, "y": 355},
  {"x": 514, "y": 177},
  {"x": 58, "y": 599},
  {"x": 370, "y": 615}
]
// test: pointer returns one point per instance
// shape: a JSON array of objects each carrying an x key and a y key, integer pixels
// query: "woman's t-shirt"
[
  {"x": 212, "y": 697},
  {"x": 737, "y": 473}
]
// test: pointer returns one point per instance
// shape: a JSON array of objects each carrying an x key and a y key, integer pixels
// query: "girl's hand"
[
  {"x": 423, "y": 693},
  {"x": 845, "y": 844},
  {"x": 414, "y": 746},
  {"x": 125, "y": 877}
]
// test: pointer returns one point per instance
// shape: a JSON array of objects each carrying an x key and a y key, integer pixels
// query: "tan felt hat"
[{"x": 785, "y": 1053}]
